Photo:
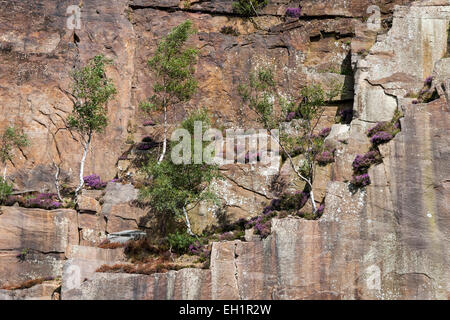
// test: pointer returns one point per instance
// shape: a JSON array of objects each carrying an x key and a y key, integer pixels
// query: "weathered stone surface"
[
  {"x": 386, "y": 241},
  {"x": 243, "y": 192},
  {"x": 399, "y": 63},
  {"x": 82, "y": 263},
  {"x": 321, "y": 180},
  {"x": 117, "y": 193},
  {"x": 87, "y": 202},
  {"x": 35, "y": 62},
  {"x": 44, "y": 291},
  {"x": 118, "y": 209},
  {"x": 37, "y": 229},
  {"x": 93, "y": 228},
  {"x": 40, "y": 237},
  {"x": 288, "y": 181},
  {"x": 186, "y": 284}
]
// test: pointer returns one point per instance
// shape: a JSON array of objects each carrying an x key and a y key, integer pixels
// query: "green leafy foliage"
[
  {"x": 173, "y": 187},
  {"x": 259, "y": 94},
  {"x": 180, "y": 242},
  {"x": 248, "y": 7},
  {"x": 173, "y": 66},
  {"x": 10, "y": 139},
  {"x": 275, "y": 112},
  {"x": 92, "y": 91},
  {"x": 5, "y": 189}
]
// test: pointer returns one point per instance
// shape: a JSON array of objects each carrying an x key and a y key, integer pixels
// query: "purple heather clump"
[
  {"x": 267, "y": 210},
  {"x": 93, "y": 181},
  {"x": 124, "y": 157},
  {"x": 200, "y": 250},
  {"x": 227, "y": 236},
  {"x": 324, "y": 132},
  {"x": 148, "y": 123},
  {"x": 415, "y": 102},
  {"x": 429, "y": 80},
  {"x": 363, "y": 162},
  {"x": 144, "y": 146},
  {"x": 290, "y": 116},
  {"x": 44, "y": 201},
  {"x": 303, "y": 199},
  {"x": 380, "y": 126},
  {"x": 325, "y": 157},
  {"x": 381, "y": 137},
  {"x": 263, "y": 229},
  {"x": 275, "y": 204},
  {"x": 320, "y": 209},
  {"x": 293, "y": 12},
  {"x": 361, "y": 180}
]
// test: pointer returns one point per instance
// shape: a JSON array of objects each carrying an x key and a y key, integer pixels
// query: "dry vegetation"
[{"x": 26, "y": 284}]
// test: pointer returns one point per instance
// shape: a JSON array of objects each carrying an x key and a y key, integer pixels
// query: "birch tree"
[
  {"x": 92, "y": 90},
  {"x": 10, "y": 140},
  {"x": 260, "y": 95},
  {"x": 173, "y": 66}
]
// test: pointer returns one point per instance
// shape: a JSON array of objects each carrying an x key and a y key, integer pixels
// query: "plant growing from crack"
[
  {"x": 92, "y": 91},
  {"x": 11, "y": 139},
  {"x": 5, "y": 190},
  {"x": 248, "y": 8},
  {"x": 382, "y": 132},
  {"x": 259, "y": 94},
  {"x": 173, "y": 66},
  {"x": 174, "y": 189}
]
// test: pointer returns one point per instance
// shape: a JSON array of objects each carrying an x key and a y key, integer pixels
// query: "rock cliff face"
[{"x": 389, "y": 240}]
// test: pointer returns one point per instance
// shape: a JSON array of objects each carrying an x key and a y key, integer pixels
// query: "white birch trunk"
[
  {"x": 163, "y": 153},
  {"x": 188, "y": 223},
  {"x": 83, "y": 160}
]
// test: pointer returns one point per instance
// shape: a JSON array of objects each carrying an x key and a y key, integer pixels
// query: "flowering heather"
[
  {"x": 324, "y": 132},
  {"x": 320, "y": 209},
  {"x": 263, "y": 229},
  {"x": 380, "y": 126},
  {"x": 144, "y": 146},
  {"x": 361, "y": 180},
  {"x": 227, "y": 236},
  {"x": 325, "y": 157},
  {"x": 199, "y": 250},
  {"x": 275, "y": 204},
  {"x": 295, "y": 201},
  {"x": 94, "y": 182},
  {"x": 290, "y": 116},
  {"x": 429, "y": 80},
  {"x": 293, "y": 12},
  {"x": 148, "y": 123},
  {"x": 304, "y": 196},
  {"x": 415, "y": 102},
  {"x": 381, "y": 137},
  {"x": 44, "y": 201},
  {"x": 124, "y": 157},
  {"x": 363, "y": 162}
]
